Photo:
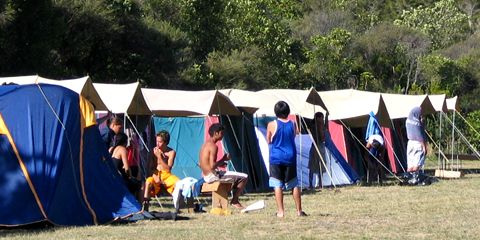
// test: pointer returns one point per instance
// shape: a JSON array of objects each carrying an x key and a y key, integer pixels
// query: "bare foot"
[
  {"x": 301, "y": 214},
  {"x": 279, "y": 215},
  {"x": 237, "y": 206}
]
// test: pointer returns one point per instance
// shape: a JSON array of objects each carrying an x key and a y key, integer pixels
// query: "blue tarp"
[
  {"x": 373, "y": 127},
  {"x": 49, "y": 161},
  {"x": 187, "y": 134},
  {"x": 338, "y": 169},
  {"x": 186, "y": 138}
]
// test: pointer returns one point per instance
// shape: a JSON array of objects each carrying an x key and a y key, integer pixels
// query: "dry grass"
[{"x": 445, "y": 210}]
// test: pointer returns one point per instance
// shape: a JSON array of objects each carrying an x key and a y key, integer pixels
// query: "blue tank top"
[{"x": 282, "y": 148}]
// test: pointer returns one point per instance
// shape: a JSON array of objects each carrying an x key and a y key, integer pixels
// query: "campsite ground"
[{"x": 448, "y": 209}]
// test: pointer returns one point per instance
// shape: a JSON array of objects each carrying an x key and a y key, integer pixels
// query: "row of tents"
[{"x": 50, "y": 139}]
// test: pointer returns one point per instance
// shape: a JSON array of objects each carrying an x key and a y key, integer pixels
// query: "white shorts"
[
  {"x": 415, "y": 154},
  {"x": 228, "y": 176}
]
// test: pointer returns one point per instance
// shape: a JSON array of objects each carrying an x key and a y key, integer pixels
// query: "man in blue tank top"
[{"x": 283, "y": 154}]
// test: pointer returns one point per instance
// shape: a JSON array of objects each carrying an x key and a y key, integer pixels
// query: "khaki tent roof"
[
  {"x": 177, "y": 103},
  {"x": 123, "y": 98},
  {"x": 438, "y": 102},
  {"x": 353, "y": 107},
  {"x": 242, "y": 99},
  {"x": 452, "y": 104},
  {"x": 399, "y": 106},
  {"x": 301, "y": 102}
]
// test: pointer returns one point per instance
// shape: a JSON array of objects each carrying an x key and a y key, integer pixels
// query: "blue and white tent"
[
  {"x": 337, "y": 173},
  {"x": 54, "y": 166}
]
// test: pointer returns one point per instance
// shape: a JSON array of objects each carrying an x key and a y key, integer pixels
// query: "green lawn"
[{"x": 448, "y": 209}]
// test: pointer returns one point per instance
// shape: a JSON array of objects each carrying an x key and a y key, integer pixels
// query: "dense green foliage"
[
  {"x": 392, "y": 46},
  {"x": 406, "y": 46}
]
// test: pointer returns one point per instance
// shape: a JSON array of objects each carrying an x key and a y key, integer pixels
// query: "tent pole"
[
  {"x": 439, "y": 142},
  {"x": 236, "y": 141},
  {"x": 454, "y": 114},
  {"x": 323, "y": 161},
  {"x": 465, "y": 139},
  {"x": 300, "y": 141},
  {"x": 453, "y": 137}
]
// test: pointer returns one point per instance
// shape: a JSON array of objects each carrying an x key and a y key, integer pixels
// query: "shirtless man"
[
  {"x": 215, "y": 170},
  {"x": 161, "y": 176},
  {"x": 163, "y": 153}
]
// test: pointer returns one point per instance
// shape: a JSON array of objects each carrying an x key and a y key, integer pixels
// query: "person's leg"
[
  {"x": 276, "y": 181},
  {"x": 240, "y": 185},
  {"x": 310, "y": 179},
  {"x": 311, "y": 162},
  {"x": 146, "y": 196},
  {"x": 291, "y": 176},
  {"x": 297, "y": 197},
  {"x": 414, "y": 179},
  {"x": 417, "y": 158},
  {"x": 279, "y": 201},
  {"x": 240, "y": 182},
  {"x": 322, "y": 164}
]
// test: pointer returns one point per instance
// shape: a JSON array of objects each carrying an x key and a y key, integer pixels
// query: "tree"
[
  {"x": 473, "y": 118},
  {"x": 329, "y": 64},
  {"x": 265, "y": 24},
  {"x": 239, "y": 69},
  {"x": 443, "y": 75},
  {"x": 444, "y": 23},
  {"x": 389, "y": 54},
  {"x": 471, "y": 8},
  {"x": 205, "y": 25}
]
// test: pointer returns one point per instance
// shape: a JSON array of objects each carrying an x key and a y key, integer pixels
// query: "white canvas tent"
[
  {"x": 177, "y": 103},
  {"x": 439, "y": 102},
  {"x": 302, "y": 102},
  {"x": 30, "y": 79},
  {"x": 452, "y": 104},
  {"x": 399, "y": 106},
  {"x": 123, "y": 98},
  {"x": 353, "y": 107},
  {"x": 243, "y": 99}
]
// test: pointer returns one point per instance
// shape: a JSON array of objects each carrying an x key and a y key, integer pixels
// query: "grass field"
[{"x": 448, "y": 209}]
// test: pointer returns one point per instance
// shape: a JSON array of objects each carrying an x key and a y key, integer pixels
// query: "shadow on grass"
[{"x": 33, "y": 228}]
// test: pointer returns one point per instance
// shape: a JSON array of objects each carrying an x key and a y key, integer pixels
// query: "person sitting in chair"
[{"x": 215, "y": 170}]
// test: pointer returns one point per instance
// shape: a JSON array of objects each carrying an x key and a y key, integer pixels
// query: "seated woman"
[{"x": 120, "y": 160}]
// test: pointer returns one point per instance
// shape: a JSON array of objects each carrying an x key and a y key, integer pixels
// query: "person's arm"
[
  {"x": 212, "y": 157},
  {"x": 322, "y": 132},
  {"x": 124, "y": 157},
  {"x": 171, "y": 159},
  {"x": 146, "y": 194},
  {"x": 297, "y": 129},
  {"x": 270, "y": 130},
  {"x": 160, "y": 155},
  {"x": 151, "y": 163},
  {"x": 223, "y": 161},
  {"x": 424, "y": 146}
]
